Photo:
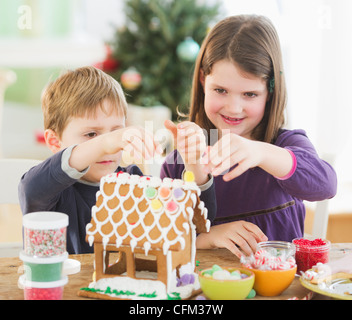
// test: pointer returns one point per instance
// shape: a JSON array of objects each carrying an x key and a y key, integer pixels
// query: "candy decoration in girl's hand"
[{"x": 188, "y": 176}]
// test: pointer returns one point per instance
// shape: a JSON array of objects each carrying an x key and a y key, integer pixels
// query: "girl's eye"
[
  {"x": 91, "y": 134},
  {"x": 250, "y": 94},
  {"x": 220, "y": 91}
]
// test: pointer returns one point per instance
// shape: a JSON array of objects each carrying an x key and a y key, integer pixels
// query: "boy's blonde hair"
[
  {"x": 252, "y": 43},
  {"x": 79, "y": 93}
]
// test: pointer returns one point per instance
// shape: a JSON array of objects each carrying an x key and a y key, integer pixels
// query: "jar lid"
[
  {"x": 43, "y": 260},
  {"x": 71, "y": 266},
  {"x": 24, "y": 283},
  {"x": 45, "y": 220}
]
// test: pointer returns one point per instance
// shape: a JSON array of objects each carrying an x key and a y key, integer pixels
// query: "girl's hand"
[
  {"x": 240, "y": 237},
  {"x": 191, "y": 144},
  {"x": 232, "y": 150},
  {"x": 190, "y": 140}
]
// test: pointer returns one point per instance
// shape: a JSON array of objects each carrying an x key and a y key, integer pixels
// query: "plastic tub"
[
  {"x": 310, "y": 251},
  {"x": 43, "y": 290},
  {"x": 43, "y": 269},
  {"x": 45, "y": 233}
]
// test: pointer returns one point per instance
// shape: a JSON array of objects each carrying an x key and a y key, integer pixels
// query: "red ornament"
[{"x": 109, "y": 64}]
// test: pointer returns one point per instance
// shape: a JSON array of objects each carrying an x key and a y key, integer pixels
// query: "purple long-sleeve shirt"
[{"x": 275, "y": 206}]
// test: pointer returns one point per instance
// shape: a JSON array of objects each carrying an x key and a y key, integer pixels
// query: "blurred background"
[{"x": 150, "y": 47}]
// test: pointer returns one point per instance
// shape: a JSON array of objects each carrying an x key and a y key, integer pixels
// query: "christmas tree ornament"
[
  {"x": 154, "y": 24},
  {"x": 110, "y": 64},
  {"x": 131, "y": 79},
  {"x": 188, "y": 50}
]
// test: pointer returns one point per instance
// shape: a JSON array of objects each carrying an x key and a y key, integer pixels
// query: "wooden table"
[{"x": 11, "y": 269}]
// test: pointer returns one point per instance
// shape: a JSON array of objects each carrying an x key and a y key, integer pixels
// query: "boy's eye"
[{"x": 91, "y": 134}]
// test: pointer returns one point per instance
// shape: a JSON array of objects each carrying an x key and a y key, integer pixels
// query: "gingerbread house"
[{"x": 148, "y": 227}]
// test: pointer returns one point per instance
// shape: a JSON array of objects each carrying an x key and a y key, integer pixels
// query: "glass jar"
[
  {"x": 280, "y": 248},
  {"x": 310, "y": 251}
]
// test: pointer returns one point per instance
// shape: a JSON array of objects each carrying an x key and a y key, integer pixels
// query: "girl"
[{"x": 262, "y": 172}]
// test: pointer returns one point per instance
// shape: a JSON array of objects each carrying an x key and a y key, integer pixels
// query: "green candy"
[
  {"x": 208, "y": 272},
  {"x": 216, "y": 268},
  {"x": 150, "y": 192},
  {"x": 251, "y": 294}
]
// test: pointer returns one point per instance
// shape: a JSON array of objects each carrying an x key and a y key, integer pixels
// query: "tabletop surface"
[{"x": 12, "y": 268}]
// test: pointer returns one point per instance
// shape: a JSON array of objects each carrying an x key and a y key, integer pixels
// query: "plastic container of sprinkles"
[
  {"x": 43, "y": 290},
  {"x": 45, "y": 233},
  {"x": 43, "y": 269},
  {"x": 310, "y": 251}
]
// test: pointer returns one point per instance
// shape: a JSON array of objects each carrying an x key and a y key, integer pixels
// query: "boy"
[{"x": 84, "y": 119}]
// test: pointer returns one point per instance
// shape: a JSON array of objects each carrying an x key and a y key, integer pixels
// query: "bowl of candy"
[
  {"x": 273, "y": 265},
  {"x": 228, "y": 283}
]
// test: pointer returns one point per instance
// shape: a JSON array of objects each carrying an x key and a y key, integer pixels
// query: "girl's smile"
[
  {"x": 232, "y": 121},
  {"x": 234, "y": 100}
]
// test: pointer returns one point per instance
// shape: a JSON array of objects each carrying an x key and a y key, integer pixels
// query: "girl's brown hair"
[
  {"x": 79, "y": 93},
  {"x": 252, "y": 43}
]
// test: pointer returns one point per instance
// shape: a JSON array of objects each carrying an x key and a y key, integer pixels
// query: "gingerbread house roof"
[{"x": 146, "y": 212}]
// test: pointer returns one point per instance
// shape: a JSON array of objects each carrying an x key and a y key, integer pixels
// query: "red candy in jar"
[
  {"x": 52, "y": 290},
  {"x": 310, "y": 251},
  {"x": 43, "y": 293}
]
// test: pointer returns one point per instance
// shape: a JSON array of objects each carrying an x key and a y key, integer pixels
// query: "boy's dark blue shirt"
[{"x": 47, "y": 187}]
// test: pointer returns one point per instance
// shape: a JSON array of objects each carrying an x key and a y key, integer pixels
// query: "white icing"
[
  {"x": 138, "y": 286},
  {"x": 186, "y": 227},
  {"x": 145, "y": 286},
  {"x": 91, "y": 240},
  {"x": 146, "y": 247},
  {"x": 143, "y": 182},
  {"x": 184, "y": 212}
]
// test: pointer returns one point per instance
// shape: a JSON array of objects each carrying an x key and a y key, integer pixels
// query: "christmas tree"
[{"x": 157, "y": 48}]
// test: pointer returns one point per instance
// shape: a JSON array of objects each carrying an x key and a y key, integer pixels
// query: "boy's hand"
[
  {"x": 189, "y": 139},
  {"x": 135, "y": 140}
]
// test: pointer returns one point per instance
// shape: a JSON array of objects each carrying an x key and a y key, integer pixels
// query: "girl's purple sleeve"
[{"x": 314, "y": 179}]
